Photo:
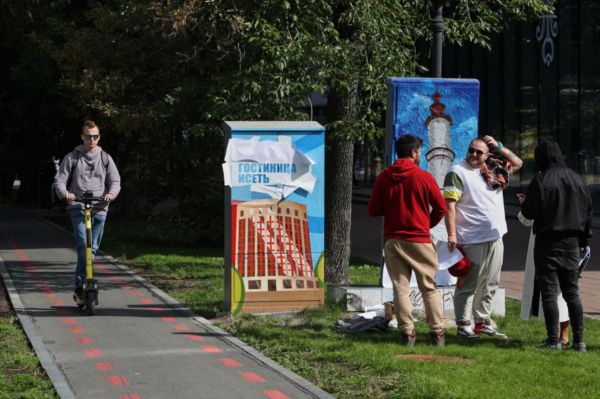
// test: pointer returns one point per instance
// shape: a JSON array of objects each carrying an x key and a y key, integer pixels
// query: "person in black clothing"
[{"x": 560, "y": 205}]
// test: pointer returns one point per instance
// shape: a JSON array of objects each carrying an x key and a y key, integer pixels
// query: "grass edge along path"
[
  {"x": 364, "y": 365},
  {"x": 21, "y": 374}
]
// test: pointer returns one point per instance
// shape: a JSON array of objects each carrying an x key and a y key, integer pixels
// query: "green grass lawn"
[
  {"x": 364, "y": 365},
  {"x": 20, "y": 373}
]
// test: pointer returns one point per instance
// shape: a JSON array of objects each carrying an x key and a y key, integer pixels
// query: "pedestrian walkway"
[
  {"x": 588, "y": 289},
  {"x": 140, "y": 344}
]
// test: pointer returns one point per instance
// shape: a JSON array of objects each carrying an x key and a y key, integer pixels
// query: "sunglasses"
[
  {"x": 90, "y": 137},
  {"x": 476, "y": 151}
]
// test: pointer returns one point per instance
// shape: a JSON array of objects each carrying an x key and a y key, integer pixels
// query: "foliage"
[{"x": 160, "y": 77}]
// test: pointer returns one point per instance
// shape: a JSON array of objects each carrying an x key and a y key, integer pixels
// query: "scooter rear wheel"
[{"x": 90, "y": 303}]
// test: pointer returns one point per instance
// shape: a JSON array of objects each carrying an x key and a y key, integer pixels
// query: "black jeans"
[{"x": 556, "y": 261}]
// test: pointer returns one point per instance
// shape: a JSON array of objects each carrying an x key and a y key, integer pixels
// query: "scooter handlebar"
[{"x": 89, "y": 199}]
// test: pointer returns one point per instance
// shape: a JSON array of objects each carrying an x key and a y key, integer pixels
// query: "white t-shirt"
[{"x": 479, "y": 209}]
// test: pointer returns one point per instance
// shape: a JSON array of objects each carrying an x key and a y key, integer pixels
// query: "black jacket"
[{"x": 557, "y": 199}]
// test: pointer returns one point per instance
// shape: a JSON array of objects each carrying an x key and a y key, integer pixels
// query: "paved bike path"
[{"x": 141, "y": 343}]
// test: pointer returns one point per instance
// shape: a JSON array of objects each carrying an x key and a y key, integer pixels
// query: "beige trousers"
[
  {"x": 477, "y": 288},
  {"x": 401, "y": 259}
]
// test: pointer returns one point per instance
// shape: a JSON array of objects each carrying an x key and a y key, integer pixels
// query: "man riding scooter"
[{"x": 87, "y": 169}]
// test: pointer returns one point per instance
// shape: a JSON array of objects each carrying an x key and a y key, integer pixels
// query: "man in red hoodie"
[{"x": 411, "y": 203}]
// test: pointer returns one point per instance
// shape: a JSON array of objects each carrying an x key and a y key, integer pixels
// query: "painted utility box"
[
  {"x": 274, "y": 174},
  {"x": 444, "y": 114}
]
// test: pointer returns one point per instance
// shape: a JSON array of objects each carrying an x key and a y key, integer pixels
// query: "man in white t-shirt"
[{"x": 476, "y": 223}]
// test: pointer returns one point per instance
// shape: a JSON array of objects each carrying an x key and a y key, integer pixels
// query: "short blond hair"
[{"x": 89, "y": 124}]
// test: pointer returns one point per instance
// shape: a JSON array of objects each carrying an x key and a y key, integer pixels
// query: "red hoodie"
[{"x": 403, "y": 193}]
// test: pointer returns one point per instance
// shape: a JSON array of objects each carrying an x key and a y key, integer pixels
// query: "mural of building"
[
  {"x": 440, "y": 156},
  {"x": 272, "y": 246},
  {"x": 274, "y": 176}
]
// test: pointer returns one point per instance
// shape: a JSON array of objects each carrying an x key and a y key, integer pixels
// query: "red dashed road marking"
[
  {"x": 181, "y": 327},
  {"x": 252, "y": 377},
  {"x": 136, "y": 293},
  {"x": 156, "y": 309},
  {"x": 128, "y": 287},
  {"x": 117, "y": 380},
  {"x": 146, "y": 301},
  {"x": 84, "y": 340},
  {"x": 104, "y": 366},
  {"x": 168, "y": 319},
  {"x": 93, "y": 352},
  {"x": 131, "y": 396},
  {"x": 52, "y": 296},
  {"x": 58, "y": 302},
  {"x": 77, "y": 330},
  {"x": 69, "y": 320},
  {"x": 193, "y": 337},
  {"x": 211, "y": 349},
  {"x": 230, "y": 362},
  {"x": 275, "y": 395}
]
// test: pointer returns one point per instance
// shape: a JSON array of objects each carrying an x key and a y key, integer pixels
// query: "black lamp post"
[{"x": 437, "y": 22}]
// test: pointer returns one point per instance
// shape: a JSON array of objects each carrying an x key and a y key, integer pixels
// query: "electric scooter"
[{"x": 89, "y": 299}]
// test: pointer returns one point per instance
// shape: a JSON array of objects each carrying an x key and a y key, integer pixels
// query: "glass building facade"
[{"x": 541, "y": 81}]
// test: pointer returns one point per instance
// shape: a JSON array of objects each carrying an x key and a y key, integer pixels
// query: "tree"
[
  {"x": 285, "y": 50},
  {"x": 162, "y": 76}
]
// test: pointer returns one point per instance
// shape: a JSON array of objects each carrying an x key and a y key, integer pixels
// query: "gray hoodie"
[{"x": 89, "y": 175}]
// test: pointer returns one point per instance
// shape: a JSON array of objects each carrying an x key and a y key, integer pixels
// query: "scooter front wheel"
[{"x": 90, "y": 303}]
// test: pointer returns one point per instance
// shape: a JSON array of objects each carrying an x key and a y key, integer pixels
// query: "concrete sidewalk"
[{"x": 140, "y": 344}]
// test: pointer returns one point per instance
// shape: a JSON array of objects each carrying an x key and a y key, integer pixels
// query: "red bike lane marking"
[
  {"x": 114, "y": 380},
  {"x": 211, "y": 349},
  {"x": 193, "y": 337},
  {"x": 180, "y": 327},
  {"x": 117, "y": 380},
  {"x": 230, "y": 362},
  {"x": 104, "y": 366},
  {"x": 77, "y": 330},
  {"x": 252, "y": 377},
  {"x": 274, "y": 394},
  {"x": 93, "y": 352},
  {"x": 168, "y": 319}
]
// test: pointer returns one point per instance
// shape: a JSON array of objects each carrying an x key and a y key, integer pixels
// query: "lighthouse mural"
[
  {"x": 440, "y": 155},
  {"x": 441, "y": 112}
]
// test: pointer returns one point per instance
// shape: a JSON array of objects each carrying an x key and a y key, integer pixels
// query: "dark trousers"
[{"x": 556, "y": 261}]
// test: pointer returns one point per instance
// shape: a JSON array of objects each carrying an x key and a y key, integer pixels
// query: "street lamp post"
[{"x": 437, "y": 22}]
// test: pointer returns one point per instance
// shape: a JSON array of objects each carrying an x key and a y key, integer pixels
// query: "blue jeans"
[{"x": 77, "y": 220}]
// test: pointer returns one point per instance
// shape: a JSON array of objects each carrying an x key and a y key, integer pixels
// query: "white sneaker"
[{"x": 466, "y": 331}]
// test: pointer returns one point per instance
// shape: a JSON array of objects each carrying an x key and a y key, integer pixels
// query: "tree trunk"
[{"x": 338, "y": 195}]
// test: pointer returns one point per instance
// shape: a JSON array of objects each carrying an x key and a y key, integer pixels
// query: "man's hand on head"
[{"x": 490, "y": 141}]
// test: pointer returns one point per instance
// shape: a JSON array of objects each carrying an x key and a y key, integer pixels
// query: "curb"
[{"x": 52, "y": 368}]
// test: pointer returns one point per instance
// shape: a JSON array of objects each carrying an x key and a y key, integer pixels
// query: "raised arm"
[{"x": 499, "y": 149}]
